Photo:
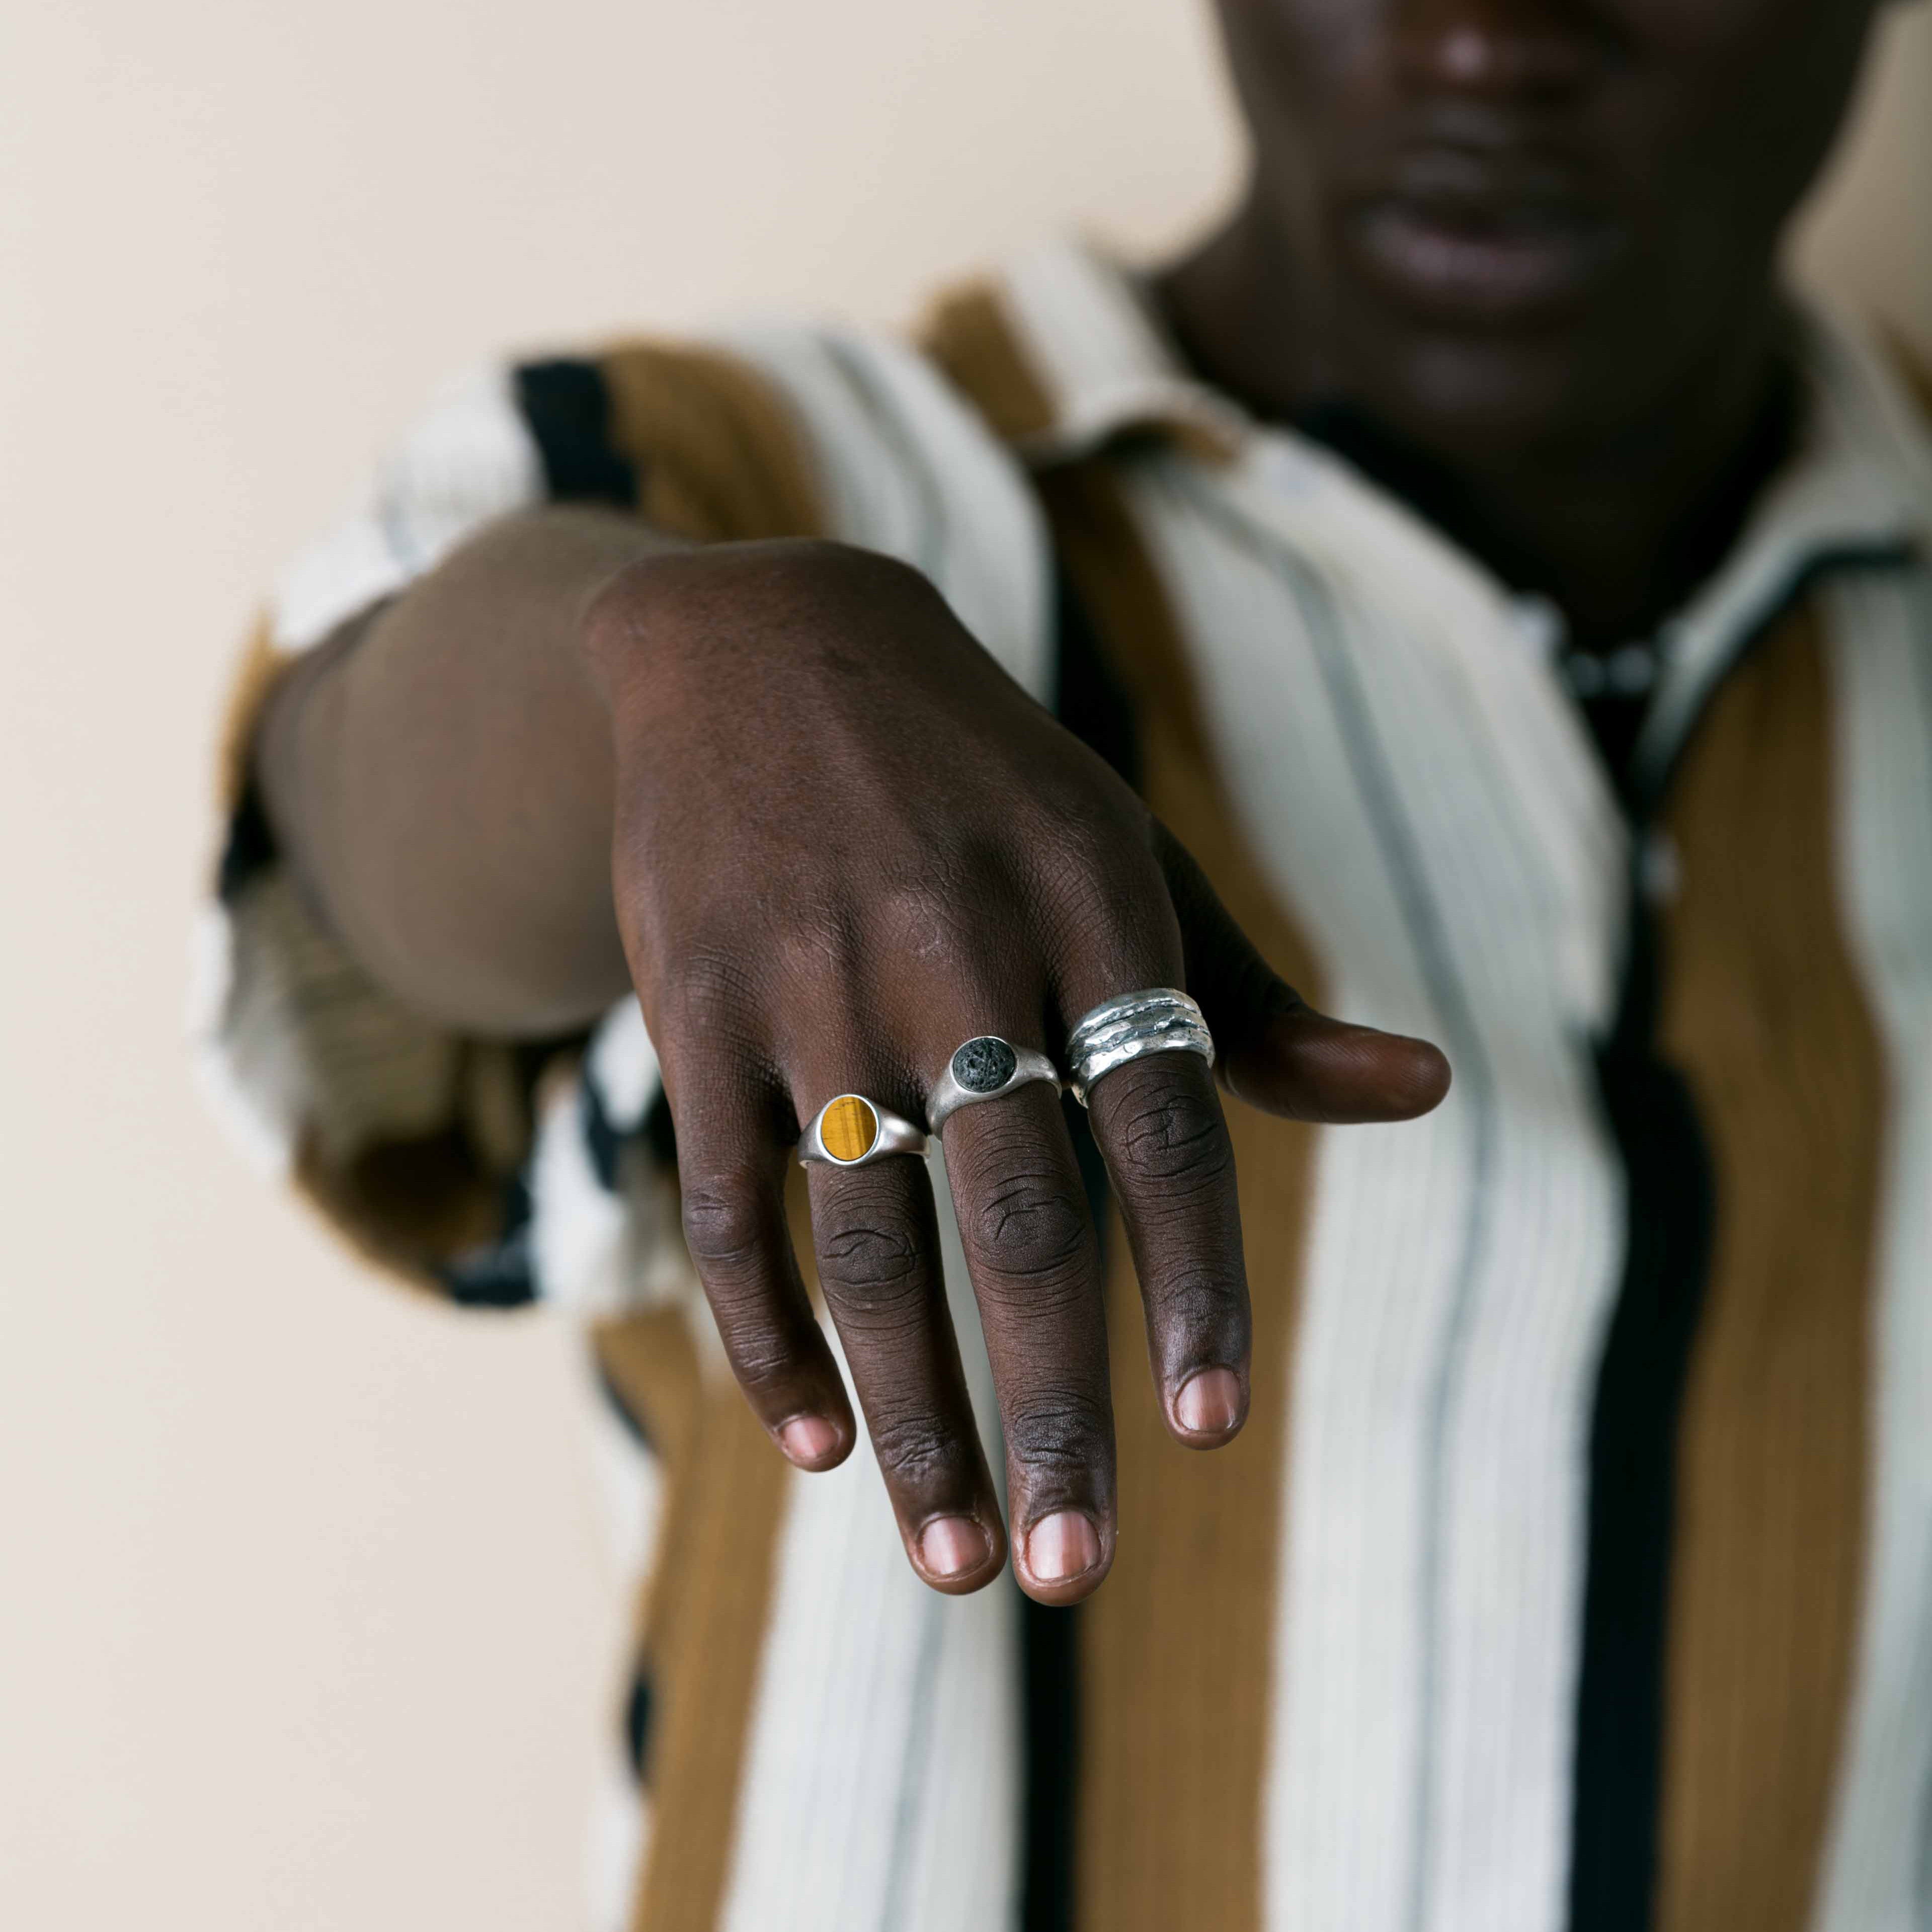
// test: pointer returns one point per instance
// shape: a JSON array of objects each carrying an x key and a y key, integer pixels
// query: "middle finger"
[{"x": 1035, "y": 1262}]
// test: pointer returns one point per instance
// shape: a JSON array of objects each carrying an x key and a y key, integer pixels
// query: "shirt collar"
[
  {"x": 1862, "y": 475},
  {"x": 1858, "y": 489},
  {"x": 1858, "y": 486},
  {"x": 1104, "y": 366}
]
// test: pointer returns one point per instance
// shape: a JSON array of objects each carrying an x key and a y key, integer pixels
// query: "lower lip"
[{"x": 1499, "y": 274}]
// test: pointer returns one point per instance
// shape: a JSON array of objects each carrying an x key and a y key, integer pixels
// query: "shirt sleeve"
[{"x": 499, "y": 1173}]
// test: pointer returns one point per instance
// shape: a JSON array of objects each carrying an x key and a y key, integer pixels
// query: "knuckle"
[
  {"x": 920, "y": 1451},
  {"x": 826, "y": 560},
  {"x": 765, "y": 1362},
  {"x": 768, "y": 1343},
  {"x": 1086, "y": 902},
  {"x": 1100, "y": 837},
  {"x": 726, "y": 1228},
  {"x": 1059, "y": 1435},
  {"x": 1103, "y": 823},
  {"x": 1169, "y": 1133},
  {"x": 1029, "y": 1228},
  {"x": 932, "y": 918},
  {"x": 706, "y": 989},
  {"x": 1197, "y": 1304},
  {"x": 870, "y": 1262},
  {"x": 806, "y": 584},
  {"x": 819, "y": 943}
]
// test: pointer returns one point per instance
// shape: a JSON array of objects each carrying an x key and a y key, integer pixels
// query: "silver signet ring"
[
  {"x": 984, "y": 1068},
  {"x": 850, "y": 1130}
]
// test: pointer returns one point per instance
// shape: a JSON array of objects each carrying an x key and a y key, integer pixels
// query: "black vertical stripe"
[
  {"x": 1670, "y": 1213},
  {"x": 249, "y": 849},
  {"x": 498, "y": 1274},
  {"x": 1620, "y": 1706},
  {"x": 1050, "y": 1667},
  {"x": 637, "y": 1713},
  {"x": 1088, "y": 698},
  {"x": 566, "y": 404},
  {"x": 1091, "y": 702}
]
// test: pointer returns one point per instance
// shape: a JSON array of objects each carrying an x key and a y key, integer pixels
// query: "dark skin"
[
  {"x": 1516, "y": 259},
  {"x": 1514, "y": 256}
]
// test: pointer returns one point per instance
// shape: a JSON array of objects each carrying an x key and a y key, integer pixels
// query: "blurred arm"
[{"x": 439, "y": 775}]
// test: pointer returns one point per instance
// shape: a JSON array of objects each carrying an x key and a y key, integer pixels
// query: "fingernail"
[
  {"x": 808, "y": 1439},
  {"x": 949, "y": 1546},
  {"x": 1062, "y": 1546},
  {"x": 1209, "y": 1402}
]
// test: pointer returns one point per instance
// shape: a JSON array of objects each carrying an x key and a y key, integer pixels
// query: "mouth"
[{"x": 1456, "y": 237}]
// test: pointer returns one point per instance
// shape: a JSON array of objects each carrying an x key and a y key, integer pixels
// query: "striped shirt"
[{"x": 1574, "y": 1570}]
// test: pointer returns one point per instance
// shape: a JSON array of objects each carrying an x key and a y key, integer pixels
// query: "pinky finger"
[
  {"x": 1272, "y": 1049},
  {"x": 740, "y": 1244}
]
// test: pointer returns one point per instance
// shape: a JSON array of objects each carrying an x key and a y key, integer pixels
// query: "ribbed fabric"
[
  {"x": 1458, "y": 1270},
  {"x": 1764, "y": 1012},
  {"x": 1175, "y": 1704},
  {"x": 715, "y": 453},
  {"x": 1878, "y": 1875},
  {"x": 704, "y": 1646},
  {"x": 1334, "y": 1681},
  {"x": 881, "y": 1783}
]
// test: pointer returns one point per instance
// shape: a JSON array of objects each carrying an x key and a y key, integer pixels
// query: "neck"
[{"x": 1616, "y": 528}]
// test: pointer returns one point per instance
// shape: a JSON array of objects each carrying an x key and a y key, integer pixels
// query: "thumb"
[{"x": 1272, "y": 1049}]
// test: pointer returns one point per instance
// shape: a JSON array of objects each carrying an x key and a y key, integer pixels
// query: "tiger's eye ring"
[{"x": 849, "y": 1130}]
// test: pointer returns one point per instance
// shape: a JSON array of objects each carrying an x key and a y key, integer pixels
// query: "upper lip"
[
  {"x": 1466, "y": 163},
  {"x": 1458, "y": 185},
  {"x": 1492, "y": 229}
]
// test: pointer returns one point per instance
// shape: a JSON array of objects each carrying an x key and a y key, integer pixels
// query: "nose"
[{"x": 1492, "y": 47}]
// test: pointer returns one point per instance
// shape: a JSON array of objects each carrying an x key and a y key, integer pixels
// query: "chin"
[{"x": 1483, "y": 397}]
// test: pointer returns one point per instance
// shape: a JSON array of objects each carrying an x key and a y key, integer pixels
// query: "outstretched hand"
[{"x": 846, "y": 842}]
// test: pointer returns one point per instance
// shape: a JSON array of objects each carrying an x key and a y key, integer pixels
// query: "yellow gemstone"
[{"x": 849, "y": 1128}]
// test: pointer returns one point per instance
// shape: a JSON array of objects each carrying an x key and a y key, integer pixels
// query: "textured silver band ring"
[
  {"x": 984, "y": 1068},
  {"x": 1159, "y": 1019},
  {"x": 849, "y": 1130}
]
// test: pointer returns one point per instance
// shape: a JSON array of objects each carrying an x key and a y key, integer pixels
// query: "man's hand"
[{"x": 844, "y": 842}]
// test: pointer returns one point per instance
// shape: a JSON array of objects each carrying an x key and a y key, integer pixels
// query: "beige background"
[{"x": 305, "y": 1619}]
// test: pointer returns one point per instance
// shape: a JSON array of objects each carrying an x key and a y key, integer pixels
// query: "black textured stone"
[{"x": 984, "y": 1065}]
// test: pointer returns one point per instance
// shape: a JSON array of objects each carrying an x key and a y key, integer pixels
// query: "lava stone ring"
[
  {"x": 983, "y": 1069},
  {"x": 850, "y": 1130}
]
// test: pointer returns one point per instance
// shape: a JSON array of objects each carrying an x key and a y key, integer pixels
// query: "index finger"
[{"x": 1158, "y": 1125}]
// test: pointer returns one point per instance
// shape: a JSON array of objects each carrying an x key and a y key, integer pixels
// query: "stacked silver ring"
[{"x": 1160, "y": 1020}]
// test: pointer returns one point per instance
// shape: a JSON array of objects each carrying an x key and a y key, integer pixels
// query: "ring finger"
[{"x": 876, "y": 1236}]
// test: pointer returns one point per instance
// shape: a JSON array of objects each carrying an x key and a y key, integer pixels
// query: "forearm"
[{"x": 441, "y": 779}]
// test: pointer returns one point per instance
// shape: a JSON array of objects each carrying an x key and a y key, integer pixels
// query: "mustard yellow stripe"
[
  {"x": 717, "y": 455},
  {"x": 710, "y": 1600},
  {"x": 1764, "y": 1011},
  {"x": 406, "y": 1206},
  {"x": 703, "y": 1644},
  {"x": 967, "y": 334},
  {"x": 1176, "y": 1651}
]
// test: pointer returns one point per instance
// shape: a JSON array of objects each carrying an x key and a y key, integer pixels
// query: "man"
[{"x": 1465, "y": 595}]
